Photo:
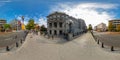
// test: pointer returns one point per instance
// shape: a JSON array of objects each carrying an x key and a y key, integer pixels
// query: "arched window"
[
  {"x": 55, "y": 24},
  {"x": 60, "y": 32},
  {"x": 50, "y": 25},
  {"x": 50, "y": 32},
  {"x": 60, "y": 24},
  {"x": 55, "y": 32}
]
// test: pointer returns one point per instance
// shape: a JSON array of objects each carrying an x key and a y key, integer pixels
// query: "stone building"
[
  {"x": 15, "y": 24},
  {"x": 62, "y": 25},
  {"x": 101, "y": 27}
]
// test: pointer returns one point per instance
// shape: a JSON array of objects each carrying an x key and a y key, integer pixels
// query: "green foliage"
[
  {"x": 90, "y": 27},
  {"x": 110, "y": 26},
  {"x": 43, "y": 28},
  {"x": 30, "y": 24},
  {"x": 6, "y": 26}
]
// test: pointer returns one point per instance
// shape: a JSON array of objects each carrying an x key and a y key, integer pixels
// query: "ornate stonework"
[{"x": 61, "y": 24}]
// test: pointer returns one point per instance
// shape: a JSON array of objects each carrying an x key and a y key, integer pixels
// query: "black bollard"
[
  {"x": 7, "y": 48},
  {"x": 97, "y": 41},
  {"x": 102, "y": 45},
  {"x": 16, "y": 44},
  {"x": 112, "y": 48}
]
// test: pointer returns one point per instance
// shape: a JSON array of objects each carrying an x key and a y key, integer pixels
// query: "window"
[
  {"x": 60, "y": 32},
  {"x": 50, "y": 32},
  {"x": 66, "y": 16},
  {"x": 50, "y": 24},
  {"x": 55, "y": 32},
  {"x": 62, "y": 15},
  {"x": 54, "y": 16},
  {"x": 60, "y": 24},
  {"x": 58, "y": 16},
  {"x": 55, "y": 24},
  {"x": 49, "y": 17}
]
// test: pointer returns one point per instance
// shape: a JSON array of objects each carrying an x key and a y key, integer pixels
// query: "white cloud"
[
  {"x": 92, "y": 13},
  {"x": 25, "y": 22},
  {"x": 38, "y": 20},
  {"x": 5, "y": 1},
  {"x": 42, "y": 21},
  {"x": 26, "y": 18}
]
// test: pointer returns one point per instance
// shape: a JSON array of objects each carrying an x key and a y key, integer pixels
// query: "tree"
[
  {"x": 30, "y": 24},
  {"x": 110, "y": 26},
  {"x": 6, "y": 26},
  {"x": 118, "y": 28},
  {"x": 43, "y": 29},
  {"x": 1, "y": 28},
  {"x": 90, "y": 27}
]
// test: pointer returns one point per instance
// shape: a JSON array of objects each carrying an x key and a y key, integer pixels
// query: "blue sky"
[{"x": 95, "y": 10}]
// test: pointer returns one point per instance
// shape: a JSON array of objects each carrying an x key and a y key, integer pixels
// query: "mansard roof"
[
  {"x": 115, "y": 20},
  {"x": 62, "y": 13}
]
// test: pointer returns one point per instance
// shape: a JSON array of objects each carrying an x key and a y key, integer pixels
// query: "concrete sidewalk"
[{"x": 39, "y": 48}]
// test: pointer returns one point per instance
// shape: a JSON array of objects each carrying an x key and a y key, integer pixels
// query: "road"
[
  {"x": 108, "y": 39},
  {"x": 39, "y": 48},
  {"x": 9, "y": 39}
]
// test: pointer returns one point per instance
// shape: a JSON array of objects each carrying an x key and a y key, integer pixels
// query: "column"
[
  {"x": 58, "y": 25},
  {"x": 58, "y": 32},
  {"x": 52, "y": 32}
]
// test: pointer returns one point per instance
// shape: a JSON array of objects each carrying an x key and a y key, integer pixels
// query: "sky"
[{"x": 92, "y": 11}]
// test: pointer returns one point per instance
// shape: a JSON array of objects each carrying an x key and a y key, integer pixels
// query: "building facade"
[
  {"x": 61, "y": 24},
  {"x": 101, "y": 27},
  {"x": 2, "y": 22},
  {"x": 115, "y": 22}
]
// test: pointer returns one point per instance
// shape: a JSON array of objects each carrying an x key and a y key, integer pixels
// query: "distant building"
[
  {"x": 15, "y": 24},
  {"x": 61, "y": 24},
  {"x": 95, "y": 28},
  {"x": 115, "y": 22},
  {"x": 37, "y": 27},
  {"x": 2, "y": 22},
  {"x": 100, "y": 27}
]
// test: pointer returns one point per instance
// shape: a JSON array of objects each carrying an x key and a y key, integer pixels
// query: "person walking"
[{"x": 52, "y": 37}]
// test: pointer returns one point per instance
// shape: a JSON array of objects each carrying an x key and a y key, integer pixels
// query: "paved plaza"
[{"x": 40, "y": 48}]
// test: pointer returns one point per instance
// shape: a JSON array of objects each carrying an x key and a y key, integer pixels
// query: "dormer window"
[
  {"x": 63, "y": 16},
  {"x": 58, "y": 16},
  {"x": 54, "y": 16}
]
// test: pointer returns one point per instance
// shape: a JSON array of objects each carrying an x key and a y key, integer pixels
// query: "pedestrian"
[
  {"x": 7, "y": 48},
  {"x": 52, "y": 36},
  {"x": 15, "y": 36}
]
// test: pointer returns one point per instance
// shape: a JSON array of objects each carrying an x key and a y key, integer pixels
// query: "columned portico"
[
  {"x": 62, "y": 24},
  {"x": 56, "y": 28}
]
